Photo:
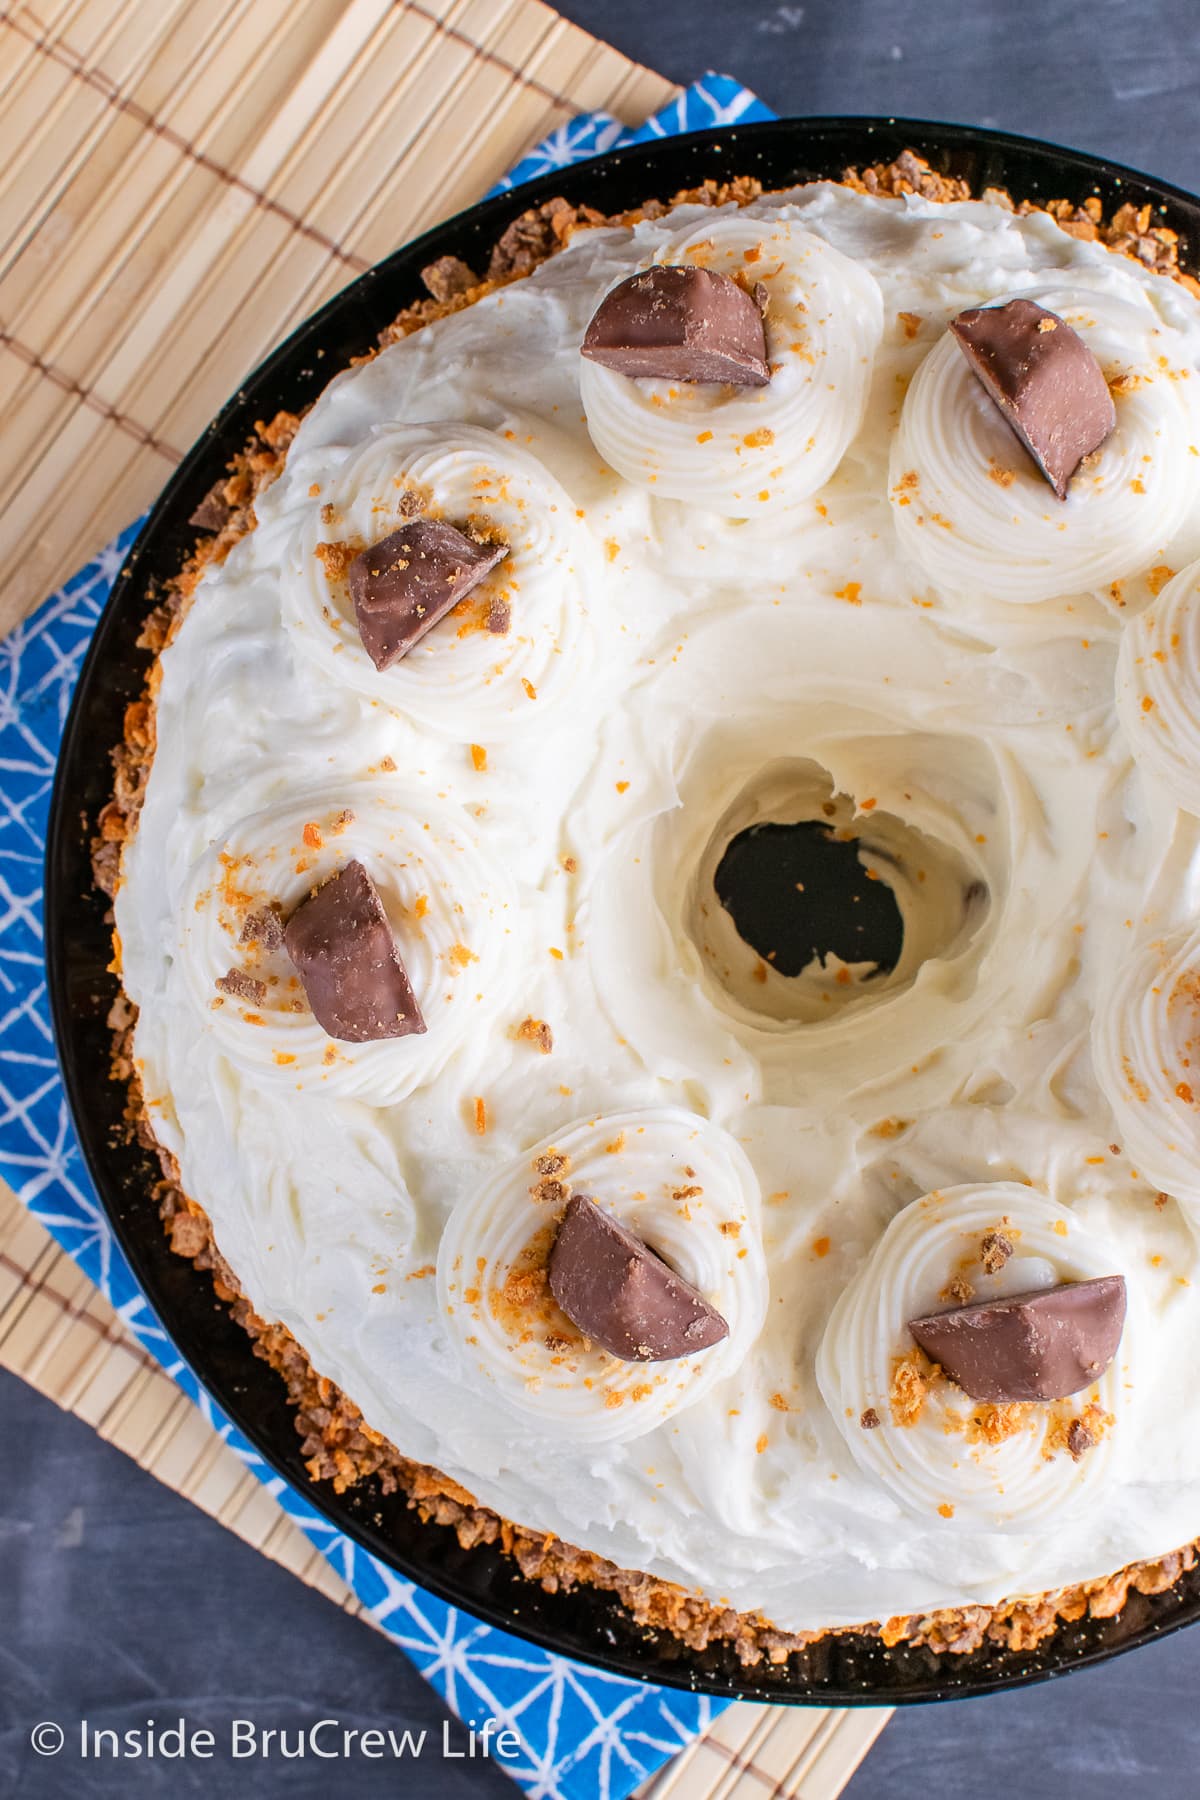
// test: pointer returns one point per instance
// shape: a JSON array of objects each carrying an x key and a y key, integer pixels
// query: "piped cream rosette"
[
  {"x": 977, "y": 1468},
  {"x": 451, "y": 913},
  {"x": 1146, "y": 1050},
  {"x": 971, "y": 507},
  {"x": 749, "y": 451},
  {"x": 680, "y": 1184},
  {"x": 463, "y": 677},
  {"x": 1158, "y": 688}
]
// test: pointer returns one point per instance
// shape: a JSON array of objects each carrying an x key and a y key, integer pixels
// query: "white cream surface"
[{"x": 855, "y": 591}]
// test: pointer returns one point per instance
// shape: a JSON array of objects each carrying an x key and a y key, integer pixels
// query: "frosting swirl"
[
  {"x": 973, "y": 511},
  {"x": 681, "y": 1185},
  {"x": 520, "y": 638},
  {"x": 451, "y": 916},
  {"x": 758, "y": 449},
  {"x": 1158, "y": 688},
  {"x": 982, "y": 1468},
  {"x": 1146, "y": 1045}
]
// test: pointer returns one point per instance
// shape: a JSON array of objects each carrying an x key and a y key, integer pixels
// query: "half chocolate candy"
[
  {"x": 1044, "y": 380},
  {"x": 410, "y": 579},
  {"x": 346, "y": 957},
  {"x": 1042, "y": 1345},
  {"x": 680, "y": 324},
  {"x": 622, "y": 1295}
]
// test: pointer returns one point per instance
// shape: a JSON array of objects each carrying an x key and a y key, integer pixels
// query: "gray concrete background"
[
  {"x": 118, "y": 1601},
  {"x": 1116, "y": 77}
]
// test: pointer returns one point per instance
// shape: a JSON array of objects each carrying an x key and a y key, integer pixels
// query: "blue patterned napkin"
[{"x": 585, "y": 1735}]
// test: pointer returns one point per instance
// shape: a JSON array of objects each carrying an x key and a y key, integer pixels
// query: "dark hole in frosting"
[{"x": 796, "y": 892}]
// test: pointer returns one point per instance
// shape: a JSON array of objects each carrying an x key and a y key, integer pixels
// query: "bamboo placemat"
[{"x": 182, "y": 181}]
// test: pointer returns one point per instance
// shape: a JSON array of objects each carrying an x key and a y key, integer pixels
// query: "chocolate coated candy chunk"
[
  {"x": 346, "y": 957},
  {"x": 623, "y": 1296},
  {"x": 406, "y": 582},
  {"x": 214, "y": 511},
  {"x": 680, "y": 324},
  {"x": 1047, "y": 384},
  {"x": 1037, "y": 1346}
]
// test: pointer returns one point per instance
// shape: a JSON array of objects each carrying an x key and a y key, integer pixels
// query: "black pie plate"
[{"x": 850, "y": 1670}]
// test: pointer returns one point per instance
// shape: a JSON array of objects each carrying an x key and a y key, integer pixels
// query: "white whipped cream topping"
[
  {"x": 1009, "y": 534},
  {"x": 678, "y": 1183},
  {"x": 673, "y": 673},
  {"x": 457, "y": 915},
  {"x": 759, "y": 449},
  {"x": 1158, "y": 688},
  {"x": 1146, "y": 1048},
  {"x": 933, "y": 1464},
  {"x": 468, "y": 672}
]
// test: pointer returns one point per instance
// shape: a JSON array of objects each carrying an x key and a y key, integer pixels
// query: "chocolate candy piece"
[
  {"x": 1043, "y": 378},
  {"x": 1042, "y": 1345},
  {"x": 346, "y": 957},
  {"x": 241, "y": 986},
  {"x": 623, "y": 1296},
  {"x": 264, "y": 927},
  {"x": 680, "y": 324},
  {"x": 214, "y": 511},
  {"x": 409, "y": 580}
]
